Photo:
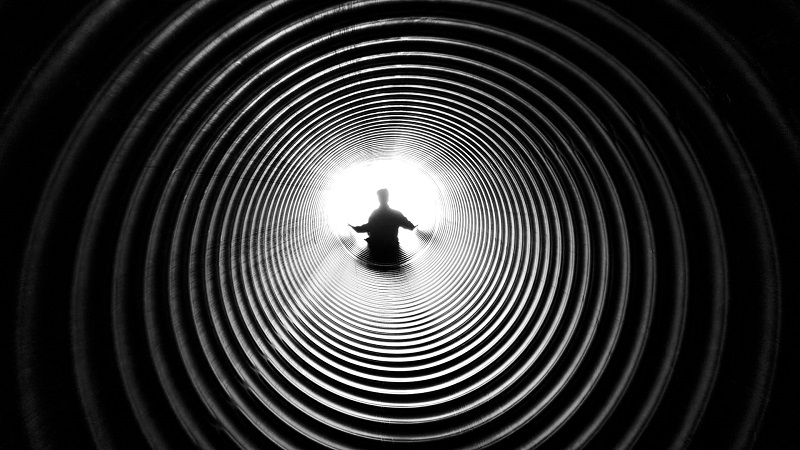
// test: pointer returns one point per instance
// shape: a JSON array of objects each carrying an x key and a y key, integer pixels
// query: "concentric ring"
[{"x": 602, "y": 263}]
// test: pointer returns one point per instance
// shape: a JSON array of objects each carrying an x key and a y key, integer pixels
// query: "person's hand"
[{"x": 415, "y": 227}]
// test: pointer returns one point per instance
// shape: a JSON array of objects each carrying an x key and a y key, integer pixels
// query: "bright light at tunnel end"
[{"x": 352, "y": 196}]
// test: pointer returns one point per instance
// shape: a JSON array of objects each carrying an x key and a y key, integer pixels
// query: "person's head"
[{"x": 383, "y": 196}]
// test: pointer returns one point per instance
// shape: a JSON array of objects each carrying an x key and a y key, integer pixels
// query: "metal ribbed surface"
[{"x": 600, "y": 266}]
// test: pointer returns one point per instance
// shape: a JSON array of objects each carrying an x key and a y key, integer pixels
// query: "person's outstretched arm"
[
  {"x": 405, "y": 223},
  {"x": 367, "y": 227},
  {"x": 360, "y": 228}
]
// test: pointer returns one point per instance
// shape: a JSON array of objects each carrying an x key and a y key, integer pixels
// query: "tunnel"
[{"x": 605, "y": 251}]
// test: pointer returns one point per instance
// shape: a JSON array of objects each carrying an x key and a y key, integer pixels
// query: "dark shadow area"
[{"x": 383, "y": 259}]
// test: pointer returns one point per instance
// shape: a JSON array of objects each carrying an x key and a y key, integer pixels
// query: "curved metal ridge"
[{"x": 601, "y": 257}]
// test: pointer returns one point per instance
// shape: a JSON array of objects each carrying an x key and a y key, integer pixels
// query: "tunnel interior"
[{"x": 603, "y": 194}]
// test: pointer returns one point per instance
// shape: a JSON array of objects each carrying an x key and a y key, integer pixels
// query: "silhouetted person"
[{"x": 383, "y": 225}]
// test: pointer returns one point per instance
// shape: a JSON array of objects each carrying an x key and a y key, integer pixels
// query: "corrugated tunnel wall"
[{"x": 605, "y": 257}]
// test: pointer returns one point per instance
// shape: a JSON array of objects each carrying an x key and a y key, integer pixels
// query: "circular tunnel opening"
[{"x": 352, "y": 196}]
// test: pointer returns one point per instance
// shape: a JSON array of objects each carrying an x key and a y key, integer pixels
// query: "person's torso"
[{"x": 384, "y": 224}]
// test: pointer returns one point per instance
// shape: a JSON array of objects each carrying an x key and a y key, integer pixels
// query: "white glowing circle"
[{"x": 352, "y": 196}]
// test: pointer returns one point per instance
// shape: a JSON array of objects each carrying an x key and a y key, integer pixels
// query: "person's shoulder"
[{"x": 398, "y": 216}]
